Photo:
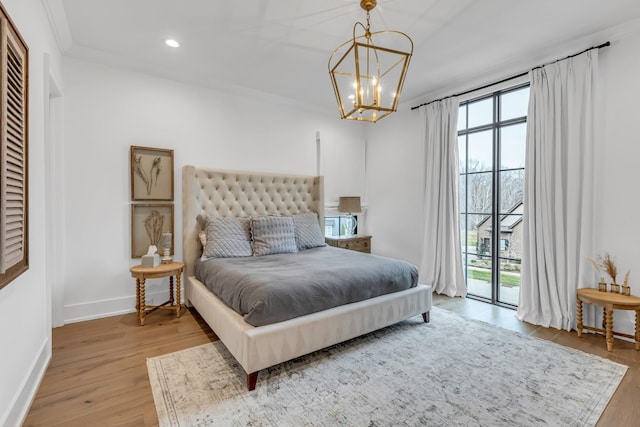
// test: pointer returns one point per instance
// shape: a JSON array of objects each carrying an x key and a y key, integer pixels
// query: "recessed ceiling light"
[{"x": 172, "y": 43}]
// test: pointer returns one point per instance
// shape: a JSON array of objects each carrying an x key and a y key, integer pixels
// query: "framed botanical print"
[
  {"x": 151, "y": 174},
  {"x": 148, "y": 223}
]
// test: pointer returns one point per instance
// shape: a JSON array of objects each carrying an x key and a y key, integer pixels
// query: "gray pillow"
[
  {"x": 273, "y": 235},
  {"x": 227, "y": 238},
  {"x": 308, "y": 233}
]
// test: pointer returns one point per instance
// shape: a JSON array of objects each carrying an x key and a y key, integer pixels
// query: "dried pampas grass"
[
  {"x": 595, "y": 264},
  {"x": 609, "y": 266}
]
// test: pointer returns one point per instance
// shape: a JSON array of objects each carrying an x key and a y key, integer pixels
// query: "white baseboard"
[
  {"x": 21, "y": 403},
  {"x": 106, "y": 308}
]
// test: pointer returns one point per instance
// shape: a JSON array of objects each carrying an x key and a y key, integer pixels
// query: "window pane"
[
  {"x": 463, "y": 193},
  {"x": 463, "y": 242},
  {"x": 514, "y": 104},
  {"x": 480, "y": 112},
  {"x": 511, "y": 236},
  {"x": 479, "y": 276},
  {"x": 480, "y": 154},
  {"x": 336, "y": 226},
  {"x": 511, "y": 190},
  {"x": 483, "y": 232},
  {"x": 479, "y": 264},
  {"x": 474, "y": 244},
  {"x": 462, "y": 117},
  {"x": 463, "y": 232},
  {"x": 331, "y": 226},
  {"x": 509, "y": 289},
  {"x": 462, "y": 153},
  {"x": 513, "y": 146},
  {"x": 479, "y": 192}
]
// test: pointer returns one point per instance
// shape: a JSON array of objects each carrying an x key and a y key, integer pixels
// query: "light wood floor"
[{"x": 98, "y": 374}]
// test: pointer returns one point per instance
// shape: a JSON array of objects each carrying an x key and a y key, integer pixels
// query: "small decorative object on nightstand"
[
  {"x": 350, "y": 205},
  {"x": 354, "y": 243},
  {"x": 166, "y": 246},
  {"x": 141, "y": 274},
  {"x": 151, "y": 259},
  {"x": 626, "y": 289}
]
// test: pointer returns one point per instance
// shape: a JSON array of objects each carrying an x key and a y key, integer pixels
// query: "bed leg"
[
  {"x": 425, "y": 317},
  {"x": 252, "y": 379}
]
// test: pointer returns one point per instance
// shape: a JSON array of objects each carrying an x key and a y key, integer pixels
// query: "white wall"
[
  {"x": 108, "y": 109},
  {"x": 395, "y": 182},
  {"x": 395, "y": 172},
  {"x": 618, "y": 197},
  {"x": 25, "y": 328}
]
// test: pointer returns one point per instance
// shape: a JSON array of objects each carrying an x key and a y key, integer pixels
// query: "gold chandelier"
[{"x": 367, "y": 78}]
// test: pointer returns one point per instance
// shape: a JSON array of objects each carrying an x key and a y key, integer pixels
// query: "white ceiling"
[{"x": 282, "y": 46}]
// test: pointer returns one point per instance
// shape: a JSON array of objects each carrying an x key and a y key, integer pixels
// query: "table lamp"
[{"x": 350, "y": 205}]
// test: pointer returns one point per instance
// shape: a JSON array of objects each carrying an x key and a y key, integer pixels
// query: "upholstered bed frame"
[{"x": 232, "y": 194}]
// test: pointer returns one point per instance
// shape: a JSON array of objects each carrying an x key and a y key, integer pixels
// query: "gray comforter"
[{"x": 273, "y": 288}]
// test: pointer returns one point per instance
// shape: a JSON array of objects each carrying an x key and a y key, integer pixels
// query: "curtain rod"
[{"x": 513, "y": 77}]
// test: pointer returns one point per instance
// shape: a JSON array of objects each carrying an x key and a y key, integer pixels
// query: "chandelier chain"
[{"x": 368, "y": 29}]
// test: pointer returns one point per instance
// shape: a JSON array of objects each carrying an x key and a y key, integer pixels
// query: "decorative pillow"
[
  {"x": 227, "y": 238},
  {"x": 202, "y": 234},
  {"x": 273, "y": 235},
  {"x": 308, "y": 233}
]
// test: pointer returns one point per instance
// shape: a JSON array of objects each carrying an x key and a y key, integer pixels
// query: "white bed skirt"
[{"x": 257, "y": 348}]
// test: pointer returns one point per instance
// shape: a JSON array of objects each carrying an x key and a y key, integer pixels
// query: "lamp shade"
[{"x": 349, "y": 204}]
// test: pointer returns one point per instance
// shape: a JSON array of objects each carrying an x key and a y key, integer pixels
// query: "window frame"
[{"x": 497, "y": 169}]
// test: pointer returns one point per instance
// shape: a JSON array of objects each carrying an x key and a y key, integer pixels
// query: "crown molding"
[
  {"x": 523, "y": 61},
  {"x": 58, "y": 21}
]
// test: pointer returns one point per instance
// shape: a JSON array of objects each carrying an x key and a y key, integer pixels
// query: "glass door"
[{"x": 491, "y": 141}]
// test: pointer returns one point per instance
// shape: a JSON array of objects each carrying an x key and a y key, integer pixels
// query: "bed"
[{"x": 230, "y": 194}]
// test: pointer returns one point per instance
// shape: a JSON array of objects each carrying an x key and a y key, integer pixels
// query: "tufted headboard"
[{"x": 234, "y": 194}]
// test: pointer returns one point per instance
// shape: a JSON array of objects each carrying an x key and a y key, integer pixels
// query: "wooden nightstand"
[
  {"x": 355, "y": 243},
  {"x": 141, "y": 274}
]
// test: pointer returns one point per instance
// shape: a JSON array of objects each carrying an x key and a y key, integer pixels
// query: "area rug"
[{"x": 453, "y": 371}]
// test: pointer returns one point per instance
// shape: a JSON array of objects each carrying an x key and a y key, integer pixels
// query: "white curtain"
[
  {"x": 441, "y": 260},
  {"x": 559, "y": 188}
]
